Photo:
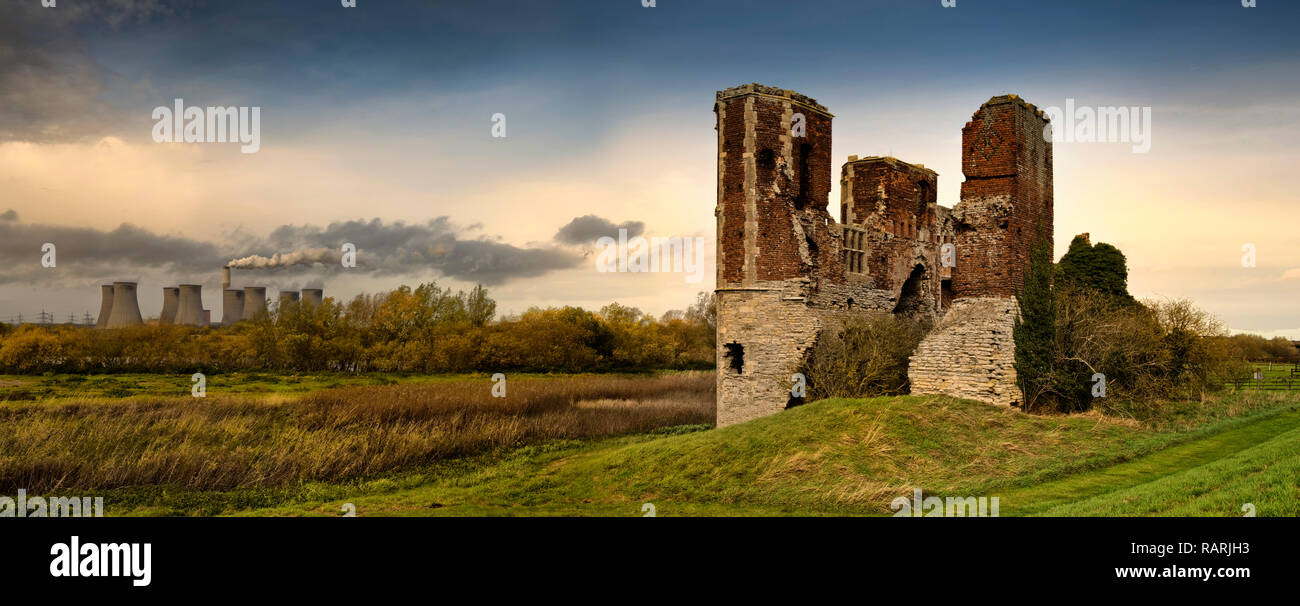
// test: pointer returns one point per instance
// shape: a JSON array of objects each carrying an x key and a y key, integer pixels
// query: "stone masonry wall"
[
  {"x": 970, "y": 354},
  {"x": 770, "y": 336}
]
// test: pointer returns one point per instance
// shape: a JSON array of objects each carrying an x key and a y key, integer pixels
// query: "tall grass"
[{"x": 220, "y": 443}]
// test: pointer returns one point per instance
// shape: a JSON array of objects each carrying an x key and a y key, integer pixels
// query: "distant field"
[
  {"x": 25, "y": 388},
  {"x": 1268, "y": 376},
  {"x": 1272, "y": 370}
]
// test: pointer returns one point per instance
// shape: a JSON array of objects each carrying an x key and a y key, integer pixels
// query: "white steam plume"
[{"x": 298, "y": 257}]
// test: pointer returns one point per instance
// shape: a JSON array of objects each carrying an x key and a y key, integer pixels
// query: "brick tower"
[
  {"x": 774, "y": 242},
  {"x": 1006, "y": 199},
  {"x": 1006, "y": 206},
  {"x": 774, "y": 178}
]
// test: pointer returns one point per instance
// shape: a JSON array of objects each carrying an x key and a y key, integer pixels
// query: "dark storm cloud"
[
  {"x": 588, "y": 228},
  {"x": 50, "y": 89},
  {"x": 398, "y": 248},
  {"x": 83, "y": 252}
]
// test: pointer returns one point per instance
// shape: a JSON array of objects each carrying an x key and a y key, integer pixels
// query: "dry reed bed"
[{"x": 219, "y": 443}]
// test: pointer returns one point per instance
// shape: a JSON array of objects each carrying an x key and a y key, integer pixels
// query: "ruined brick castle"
[{"x": 787, "y": 271}]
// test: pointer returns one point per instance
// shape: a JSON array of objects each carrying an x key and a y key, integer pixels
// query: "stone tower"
[{"x": 1006, "y": 206}]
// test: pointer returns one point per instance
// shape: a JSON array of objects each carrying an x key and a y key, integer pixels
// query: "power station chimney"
[
  {"x": 171, "y": 302},
  {"x": 287, "y": 297},
  {"x": 105, "y": 306},
  {"x": 232, "y": 306},
  {"x": 190, "y": 310},
  {"x": 313, "y": 296},
  {"x": 225, "y": 277},
  {"x": 126, "y": 307},
  {"x": 254, "y": 301}
]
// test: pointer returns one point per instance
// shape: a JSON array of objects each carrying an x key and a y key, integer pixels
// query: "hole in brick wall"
[
  {"x": 945, "y": 296},
  {"x": 910, "y": 300},
  {"x": 850, "y": 303},
  {"x": 766, "y": 159},
  {"x": 805, "y": 177},
  {"x": 922, "y": 195},
  {"x": 735, "y": 357}
]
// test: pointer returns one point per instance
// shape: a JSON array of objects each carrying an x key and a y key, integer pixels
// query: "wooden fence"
[
  {"x": 1276, "y": 383},
  {"x": 1290, "y": 382}
]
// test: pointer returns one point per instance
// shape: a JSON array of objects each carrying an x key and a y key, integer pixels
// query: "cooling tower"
[
  {"x": 105, "y": 306},
  {"x": 190, "y": 310},
  {"x": 171, "y": 301},
  {"x": 313, "y": 296},
  {"x": 232, "y": 306},
  {"x": 287, "y": 297},
  {"x": 254, "y": 301},
  {"x": 126, "y": 307},
  {"x": 225, "y": 277}
]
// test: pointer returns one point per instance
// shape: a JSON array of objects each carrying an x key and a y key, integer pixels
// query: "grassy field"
[
  {"x": 1272, "y": 370},
  {"x": 852, "y": 457},
  {"x": 1230, "y": 471},
  {"x": 230, "y": 442},
  {"x": 606, "y": 445},
  {"x": 26, "y": 388}
]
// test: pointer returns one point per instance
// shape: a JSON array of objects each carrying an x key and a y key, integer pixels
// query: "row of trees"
[{"x": 426, "y": 329}]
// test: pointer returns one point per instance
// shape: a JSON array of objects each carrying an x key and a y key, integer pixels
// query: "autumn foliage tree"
[{"x": 426, "y": 329}]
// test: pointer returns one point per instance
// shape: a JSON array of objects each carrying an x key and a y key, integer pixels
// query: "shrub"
[
  {"x": 866, "y": 357},
  {"x": 1035, "y": 330}
]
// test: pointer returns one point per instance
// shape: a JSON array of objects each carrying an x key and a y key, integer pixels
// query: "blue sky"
[{"x": 382, "y": 111}]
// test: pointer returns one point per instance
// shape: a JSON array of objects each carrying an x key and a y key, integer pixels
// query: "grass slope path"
[
  {"x": 852, "y": 457},
  {"x": 1235, "y": 478}
]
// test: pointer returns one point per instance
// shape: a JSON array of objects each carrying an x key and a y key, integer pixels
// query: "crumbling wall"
[
  {"x": 896, "y": 203},
  {"x": 762, "y": 338},
  {"x": 772, "y": 187},
  {"x": 1005, "y": 208}
]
